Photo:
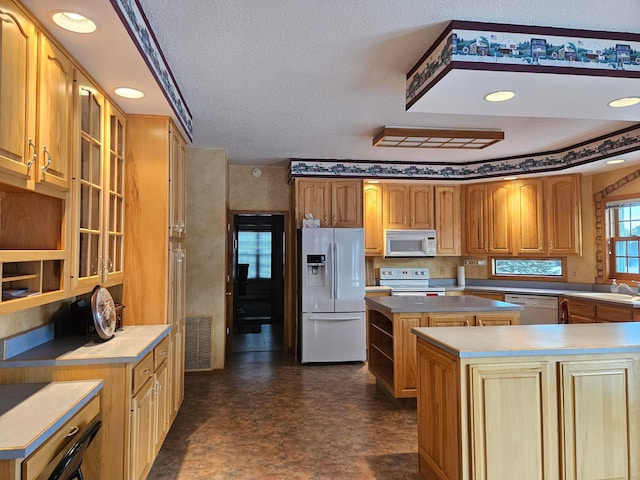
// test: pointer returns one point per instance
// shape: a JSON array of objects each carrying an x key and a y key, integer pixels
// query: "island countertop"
[
  {"x": 536, "y": 340},
  {"x": 127, "y": 346},
  {"x": 442, "y": 304}
]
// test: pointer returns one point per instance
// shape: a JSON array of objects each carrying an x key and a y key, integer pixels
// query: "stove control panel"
[{"x": 400, "y": 273}]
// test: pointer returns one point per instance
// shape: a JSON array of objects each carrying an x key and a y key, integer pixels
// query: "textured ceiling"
[{"x": 268, "y": 81}]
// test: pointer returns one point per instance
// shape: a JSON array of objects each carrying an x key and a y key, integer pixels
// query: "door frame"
[{"x": 289, "y": 277}]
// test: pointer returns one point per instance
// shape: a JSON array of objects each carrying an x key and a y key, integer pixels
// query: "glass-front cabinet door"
[
  {"x": 89, "y": 181},
  {"x": 114, "y": 228}
]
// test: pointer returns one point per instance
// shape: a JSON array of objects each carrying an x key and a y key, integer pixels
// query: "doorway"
[{"x": 258, "y": 283}]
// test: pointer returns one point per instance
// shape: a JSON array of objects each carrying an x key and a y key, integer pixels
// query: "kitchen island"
[
  {"x": 529, "y": 402},
  {"x": 391, "y": 345}
]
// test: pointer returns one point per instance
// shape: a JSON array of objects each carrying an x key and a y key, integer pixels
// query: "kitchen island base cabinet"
[
  {"x": 392, "y": 346},
  {"x": 552, "y": 417}
]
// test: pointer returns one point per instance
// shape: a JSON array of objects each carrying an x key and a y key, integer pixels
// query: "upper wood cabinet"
[
  {"x": 530, "y": 217},
  {"x": 488, "y": 218},
  {"x": 528, "y": 228},
  {"x": 373, "y": 235},
  {"x": 336, "y": 203},
  {"x": 98, "y": 189},
  {"x": 18, "y": 73},
  {"x": 447, "y": 219},
  {"x": 563, "y": 215},
  {"x": 177, "y": 181},
  {"x": 36, "y": 81},
  {"x": 408, "y": 206},
  {"x": 54, "y": 116}
]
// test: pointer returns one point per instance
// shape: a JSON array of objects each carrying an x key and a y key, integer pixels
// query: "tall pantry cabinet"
[{"x": 155, "y": 263}]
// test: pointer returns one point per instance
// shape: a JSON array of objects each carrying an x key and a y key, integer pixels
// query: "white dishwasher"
[{"x": 538, "y": 309}]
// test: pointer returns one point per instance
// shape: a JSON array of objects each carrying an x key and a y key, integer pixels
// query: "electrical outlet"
[
  {"x": 483, "y": 272},
  {"x": 574, "y": 273},
  {"x": 441, "y": 270}
]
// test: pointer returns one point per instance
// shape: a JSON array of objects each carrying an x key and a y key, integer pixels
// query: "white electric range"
[{"x": 408, "y": 281}]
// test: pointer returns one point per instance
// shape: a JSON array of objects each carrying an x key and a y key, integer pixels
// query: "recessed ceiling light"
[
  {"x": 128, "y": 92},
  {"x": 624, "y": 102},
  {"x": 74, "y": 22},
  {"x": 499, "y": 96},
  {"x": 614, "y": 161}
]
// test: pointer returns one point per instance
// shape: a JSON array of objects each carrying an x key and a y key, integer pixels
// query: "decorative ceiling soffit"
[
  {"x": 519, "y": 48},
  {"x": 136, "y": 23},
  {"x": 613, "y": 144}
]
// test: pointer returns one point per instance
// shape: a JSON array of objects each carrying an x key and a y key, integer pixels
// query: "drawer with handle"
[{"x": 142, "y": 371}]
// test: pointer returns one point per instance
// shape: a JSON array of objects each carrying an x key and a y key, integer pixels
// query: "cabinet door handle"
[
  {"x": 34, "y": 157},
  {"x": 480, "y": 324},
  {"x": 334, "y": 219},
  {"x": 72, "y": 432},
  {"x": 48, "y": 154},
  {"x": 466, "y": 322},
  {"x": 146, "y": 371}
]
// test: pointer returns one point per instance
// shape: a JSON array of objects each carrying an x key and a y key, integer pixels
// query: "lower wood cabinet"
[
  {"x": 561, "y": 416},
  {"x": 40, "y": 464},
  {"x": 592, "y": 311},
  {"x": 139, "y": 402},
  {"x": 392, "y": 346}
]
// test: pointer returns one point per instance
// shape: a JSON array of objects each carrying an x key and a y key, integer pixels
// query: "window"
[
  {"x": 528, "y": 267},
  {"x": 624, "y": 237},
  {"x": 254, "y": 248}
]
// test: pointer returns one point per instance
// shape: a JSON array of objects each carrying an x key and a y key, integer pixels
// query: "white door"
[{"x": 350, "y": 272}]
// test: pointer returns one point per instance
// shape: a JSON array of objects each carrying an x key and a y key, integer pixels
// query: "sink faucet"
[{"x": 631, "y": 290}]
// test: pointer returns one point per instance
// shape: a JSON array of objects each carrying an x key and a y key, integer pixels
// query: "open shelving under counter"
[{"x": 391, "y": 345}]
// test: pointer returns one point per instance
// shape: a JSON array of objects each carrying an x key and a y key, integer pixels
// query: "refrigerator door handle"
[
  {"x": 336, "y": 262},
  {"x": 341, "y": 319}
]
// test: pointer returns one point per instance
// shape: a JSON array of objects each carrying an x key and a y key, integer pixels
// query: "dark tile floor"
[{"x": 265, "y": 417}]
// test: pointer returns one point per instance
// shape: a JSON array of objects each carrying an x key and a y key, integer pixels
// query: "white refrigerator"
[{"x": 331, "y": 295}]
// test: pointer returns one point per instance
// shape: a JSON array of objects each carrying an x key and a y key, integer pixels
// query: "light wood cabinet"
[
  {"x": 177, "y": 182},
  {"x": 447, "y": 219},
  {"x": 488, "y": 219},
  {"x": 489, "y": 295},
  {"x": 408, "y": 206},
  {"x": 531, "y": 417},
  {"x": 531, "y": 217},
  {"x": 38, "y": 465},
  {"x": 155, "y": 284},
  {"x": 392, "y": 346},
  {"x": 98, "y": 190},
  {"x": 592, "y": 311},
  {"x": 36, "y": 80},
  {"x": 599, "y": 418},
  {"x": 54, "y": 116},
  {"x": 373, "y": 233},
  {"x": 499, "y": 218},
  {"x": 564, "y": 225},
  {"x": 528, "y": 227},
  {"x": 336, "y": 203},
  {"x": 18, "y": 75}
]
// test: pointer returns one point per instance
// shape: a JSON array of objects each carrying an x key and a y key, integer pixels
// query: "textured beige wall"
[
  {"x": 207, "y": 180},
  {"x": 270, "y": 192}
]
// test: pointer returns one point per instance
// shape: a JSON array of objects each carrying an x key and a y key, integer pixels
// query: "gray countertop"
[
  {"x": 127, "y": 346},
  {"x": 31, "y": 412},
  {"x": 464, "y": 303},
  {"x": 526, "y": 340}
]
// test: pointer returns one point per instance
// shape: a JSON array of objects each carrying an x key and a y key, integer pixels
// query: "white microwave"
[{"x": 410, "y": 243}]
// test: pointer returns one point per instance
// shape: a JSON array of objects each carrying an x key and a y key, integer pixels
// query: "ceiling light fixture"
[
  {"x": 614, "y": 161},
  {"x": 500, "y": 96},
  {"x": 624, "y": 102},
  {"x": 74, "y": 22},
  {"x": 127, "y": 92},
  {"x": 409, "y": 137}
]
